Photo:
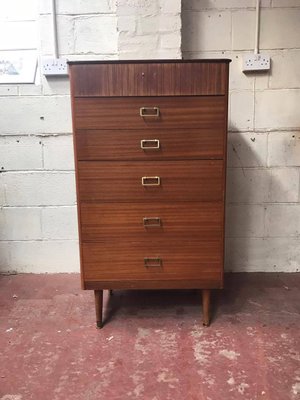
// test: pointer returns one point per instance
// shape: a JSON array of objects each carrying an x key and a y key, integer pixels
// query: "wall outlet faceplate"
[
  {"x": 256, "y": 62},
  {"x": 54, "y": 66}
]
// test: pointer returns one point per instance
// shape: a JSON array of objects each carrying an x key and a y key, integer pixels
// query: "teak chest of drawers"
[{"x": 150, "y": 155}]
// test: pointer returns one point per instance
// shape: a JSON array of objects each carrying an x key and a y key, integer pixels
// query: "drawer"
[
  {"x": 194, "y": 180},
  {"x": 158, "y": 112},
  {"x": 113, "y": 221},
  {"x": 150, "y": 145},
  {"x": 149, "y": 78},
  {"x": 149, "y": 260}
]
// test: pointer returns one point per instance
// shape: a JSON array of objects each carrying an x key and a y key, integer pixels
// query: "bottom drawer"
[{"x": 152, "y": 260}]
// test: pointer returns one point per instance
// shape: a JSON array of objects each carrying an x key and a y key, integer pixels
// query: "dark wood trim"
[
  {"x": 203, "y": 60},
  {"x": 152, "y": 285}
]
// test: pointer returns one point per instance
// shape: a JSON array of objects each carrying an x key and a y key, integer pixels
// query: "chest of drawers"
[{"x": 150, "y": 156}]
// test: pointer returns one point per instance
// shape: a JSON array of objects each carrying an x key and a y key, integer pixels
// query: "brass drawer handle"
[
  {"x": 150, "y": 180},
  {"x": 152, "y": 262},
  {"x": 151, "y": 144},
  {"x": 149, "y": 112},
  {"x": 151, "y": 221}
]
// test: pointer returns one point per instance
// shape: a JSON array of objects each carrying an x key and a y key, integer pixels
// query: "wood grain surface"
[
  {"x": 152, "y": 79},
  {"x": 124, "y": 259},
  {"x": 174, "y": 112},
  {"x": 151, "y": 221},
  {"x": 123, "y": 144},
  {"x": 194, "y": 180}
]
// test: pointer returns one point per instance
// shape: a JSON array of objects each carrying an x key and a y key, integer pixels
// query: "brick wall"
[{"x": 263, "y": 210}]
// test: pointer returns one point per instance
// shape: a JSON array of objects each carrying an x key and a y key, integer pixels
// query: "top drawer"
[{"x": 149, "y": 79}]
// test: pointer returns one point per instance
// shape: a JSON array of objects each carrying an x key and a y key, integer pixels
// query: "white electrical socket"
[
  {"x": 256, "y": 62},
  {"x": 54, "y": 66}
]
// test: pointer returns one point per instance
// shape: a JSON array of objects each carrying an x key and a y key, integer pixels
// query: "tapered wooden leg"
[
  {"x": 206, "y": 306},
  {"x": 98, "y": 307}
]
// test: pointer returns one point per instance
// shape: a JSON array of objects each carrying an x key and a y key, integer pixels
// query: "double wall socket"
[
  {"x": 54, "y": 66},
  {"x": 256, "y": 62}
]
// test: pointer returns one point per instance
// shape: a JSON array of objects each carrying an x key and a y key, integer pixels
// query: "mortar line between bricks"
[
  {"x": 92, "y": 14},
  {"x": 41, "y": 135}
]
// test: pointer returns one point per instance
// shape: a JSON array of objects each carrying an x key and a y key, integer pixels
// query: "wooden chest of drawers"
[{"x": 150, "y": 155}]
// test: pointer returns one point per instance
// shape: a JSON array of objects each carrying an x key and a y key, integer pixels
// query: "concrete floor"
[{"x": 153, "y": 345}]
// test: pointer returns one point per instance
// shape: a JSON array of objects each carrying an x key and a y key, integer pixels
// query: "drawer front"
[
  {"x": 157, "y": 112},
  {"x": 150, "y": 79},
  {"x": 151, "y": 181},
  {"x": 150, "y": 260},
  {"x": 151, "y": 221},
  {"x": 150, "y": 145}
]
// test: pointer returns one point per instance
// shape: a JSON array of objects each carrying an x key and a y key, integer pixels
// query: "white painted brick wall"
[
  {"x": 149, "y": 29},
  {"x": 263, "y": 223}
]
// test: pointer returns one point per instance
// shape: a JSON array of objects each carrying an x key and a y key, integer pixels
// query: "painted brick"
[
  {"x": 170, "y": 23},
  {"x": 135, "y": 43},
  {"x": 283, "y": 149},
  {"x": 243, "y": 28},
  {"x": 38, "y": 188},
  {"x": 285, "y": 3},
  {"x": 9, "y": 90},
  {"x": 241, "y": 110},
  {"x": 59, "y": 223},
  {"x": 170, "y": 40},
  {"x": 78, "y": 6},
  {"x": 22, "y": 223},
  {"x": 56, "y": 86},
  {"x": 65, "y": 27},
  {"x": 277, "y": 109},
  {"x": 149, "y": 25},
  {"x": 170, "y": 6},
  {"x": 284, "y": 185},
  {"x": 20, "y": 153},
  {"x": 244, "y": 220},
  {"x": 37, "y": 256},
  {"x": 206, "y": 31},
  {"x": 137, "y": 7},
  {"x": 246, "y": 185},
  {"x": 31, "y": 89},
  {"x": 247, "y": 149},
  {"x": 95, "y": 34},
  {"x": 222, "y": 4},
  {"x": 58, "y": 153},
  {"x": 280, "y": 28},
  {"x": 282, "y": 220},
  {"x": 237, "y": 79},
  {"x": 262, "y": 254},
  {"x": 35, "y": 114},
  {"x": 127, "y": 24},
  {"x": 285, "y": 72}
]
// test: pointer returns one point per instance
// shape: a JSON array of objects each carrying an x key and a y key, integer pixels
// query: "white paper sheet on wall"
[{"x": 18, "y": 41}]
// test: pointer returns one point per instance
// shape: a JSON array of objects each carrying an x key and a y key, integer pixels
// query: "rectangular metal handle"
[
  {"x": 150, "y": 180},
  {"x": 151, "y": 222},
  {"x": 149, "y": 112},
  {"x": 152, "y": 262},
  {"x": 150, "y": 144}
]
